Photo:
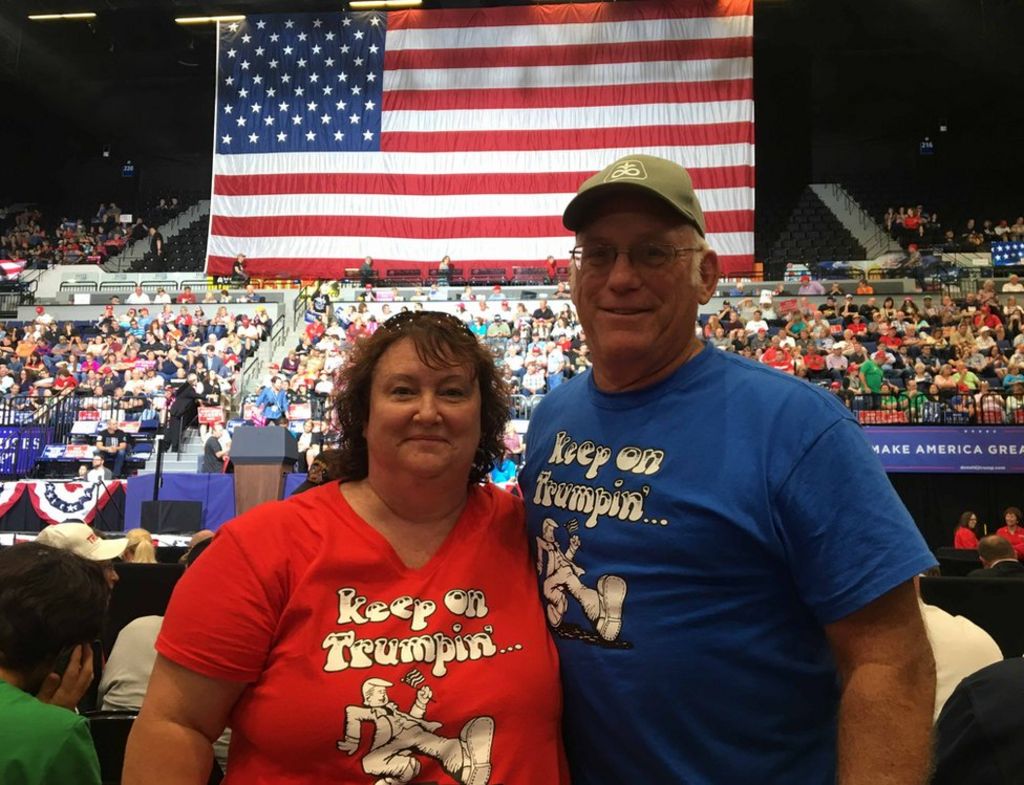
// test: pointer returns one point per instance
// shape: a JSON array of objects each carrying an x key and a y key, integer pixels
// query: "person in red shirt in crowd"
[
  {"x": 187, "y": 297},
  {"x": 814, "y": 362},
  {"x": 985, "y": 318},
  {"x": 964, "y": 537},
  {"x": 315, "y": 329},
  {"x": 64, "y": 381},
  {"x": 777, "y": 356},
  {"x": 1012, "y": 532},
  {"x": 857, "y": 325},
  {"x": 889, "y": 338}
]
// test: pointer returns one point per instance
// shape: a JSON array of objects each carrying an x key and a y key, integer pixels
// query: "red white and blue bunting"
[{"x": 59, "y": 502}]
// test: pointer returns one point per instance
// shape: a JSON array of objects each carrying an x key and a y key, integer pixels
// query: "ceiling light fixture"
[
  {"x": 205, "y": 20},
  {"x": 55, "y": 17},
  {"x": 365, "y": 5}
]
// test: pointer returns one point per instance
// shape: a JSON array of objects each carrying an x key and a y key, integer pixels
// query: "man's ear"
[{"x": 709, "y": 274}]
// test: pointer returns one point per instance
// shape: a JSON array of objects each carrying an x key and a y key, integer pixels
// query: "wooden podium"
[{"x": 261, "y": 457}]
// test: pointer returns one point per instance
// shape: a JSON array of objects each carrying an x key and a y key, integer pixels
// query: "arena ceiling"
[{"x": 135, "y": 80}]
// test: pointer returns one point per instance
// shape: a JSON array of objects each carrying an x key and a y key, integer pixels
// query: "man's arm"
[{"x": 887, "y": 674}]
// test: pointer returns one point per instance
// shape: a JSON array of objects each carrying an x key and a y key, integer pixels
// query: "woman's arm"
[{"x": 171, "y": 742}]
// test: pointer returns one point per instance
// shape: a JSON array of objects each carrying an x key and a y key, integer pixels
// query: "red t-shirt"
[
  {"x": 341, "y": 642},
  {"x": 965, "y": 538},
  {"x": 814, "y": 361},
  {"x": 1015, "y": 539}
]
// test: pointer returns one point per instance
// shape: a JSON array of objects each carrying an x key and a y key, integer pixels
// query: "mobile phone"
[{"x": 63, "y": 658}]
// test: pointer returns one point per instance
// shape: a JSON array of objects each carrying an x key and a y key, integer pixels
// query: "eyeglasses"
[{"x": 599, "y": 256}]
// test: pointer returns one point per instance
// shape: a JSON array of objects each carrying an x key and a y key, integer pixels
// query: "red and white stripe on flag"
[{"x": 491, "y": 119}]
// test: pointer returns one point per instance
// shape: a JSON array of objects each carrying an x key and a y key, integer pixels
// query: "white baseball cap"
[{"x": 81, "y": 540}]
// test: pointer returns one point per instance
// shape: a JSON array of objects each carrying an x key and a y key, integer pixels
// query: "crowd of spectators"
[
  {"x": 70, "y": 241},
  {"x": 914, "y": 226},
  {"x": 964, "y": 356},
  {"x": 29, "y": 237},
  {"x": 129, "y": 362}
]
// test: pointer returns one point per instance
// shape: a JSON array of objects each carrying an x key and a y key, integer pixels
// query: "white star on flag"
[
  {"x": 226, "y": 139},
  {"x": 253, "y": 138},
  {"x": 310, "y": 136},
  {"x": 281, "y": 136},
  {"x": 367, "y": 135}
]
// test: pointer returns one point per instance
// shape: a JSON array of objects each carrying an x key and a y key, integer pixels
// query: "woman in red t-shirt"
[
  {"x": 964, "y": 536},
  {"x": 1012, "y": 532},
  {"x": 386, "y": 628}
]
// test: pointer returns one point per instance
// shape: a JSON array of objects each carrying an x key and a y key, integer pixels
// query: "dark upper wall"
[{"x": 843, "y": 88}]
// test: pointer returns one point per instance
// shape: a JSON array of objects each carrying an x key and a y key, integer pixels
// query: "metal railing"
[
  {"x": 299, "y": 306},
  {"x": 958, "y": 408}
]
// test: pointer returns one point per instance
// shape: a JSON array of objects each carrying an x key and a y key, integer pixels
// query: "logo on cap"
[{"x": 631, "y": 168}]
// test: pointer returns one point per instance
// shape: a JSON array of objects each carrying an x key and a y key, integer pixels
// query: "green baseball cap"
[{"x": 665, "y": 179}]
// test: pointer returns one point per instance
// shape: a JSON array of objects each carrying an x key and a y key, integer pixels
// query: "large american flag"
[{"x": 417, "y": 134}]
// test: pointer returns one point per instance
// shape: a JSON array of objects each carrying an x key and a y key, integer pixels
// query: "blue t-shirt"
[{"x": 692, "y": 539}]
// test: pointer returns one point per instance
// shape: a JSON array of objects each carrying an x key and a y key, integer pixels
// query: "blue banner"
[
  {"x": 20, "y": 446},
  {"x": 951, "y": 450}
]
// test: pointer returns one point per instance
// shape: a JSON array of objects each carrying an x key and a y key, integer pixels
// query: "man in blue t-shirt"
[{"x": 724, "y": 564}]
